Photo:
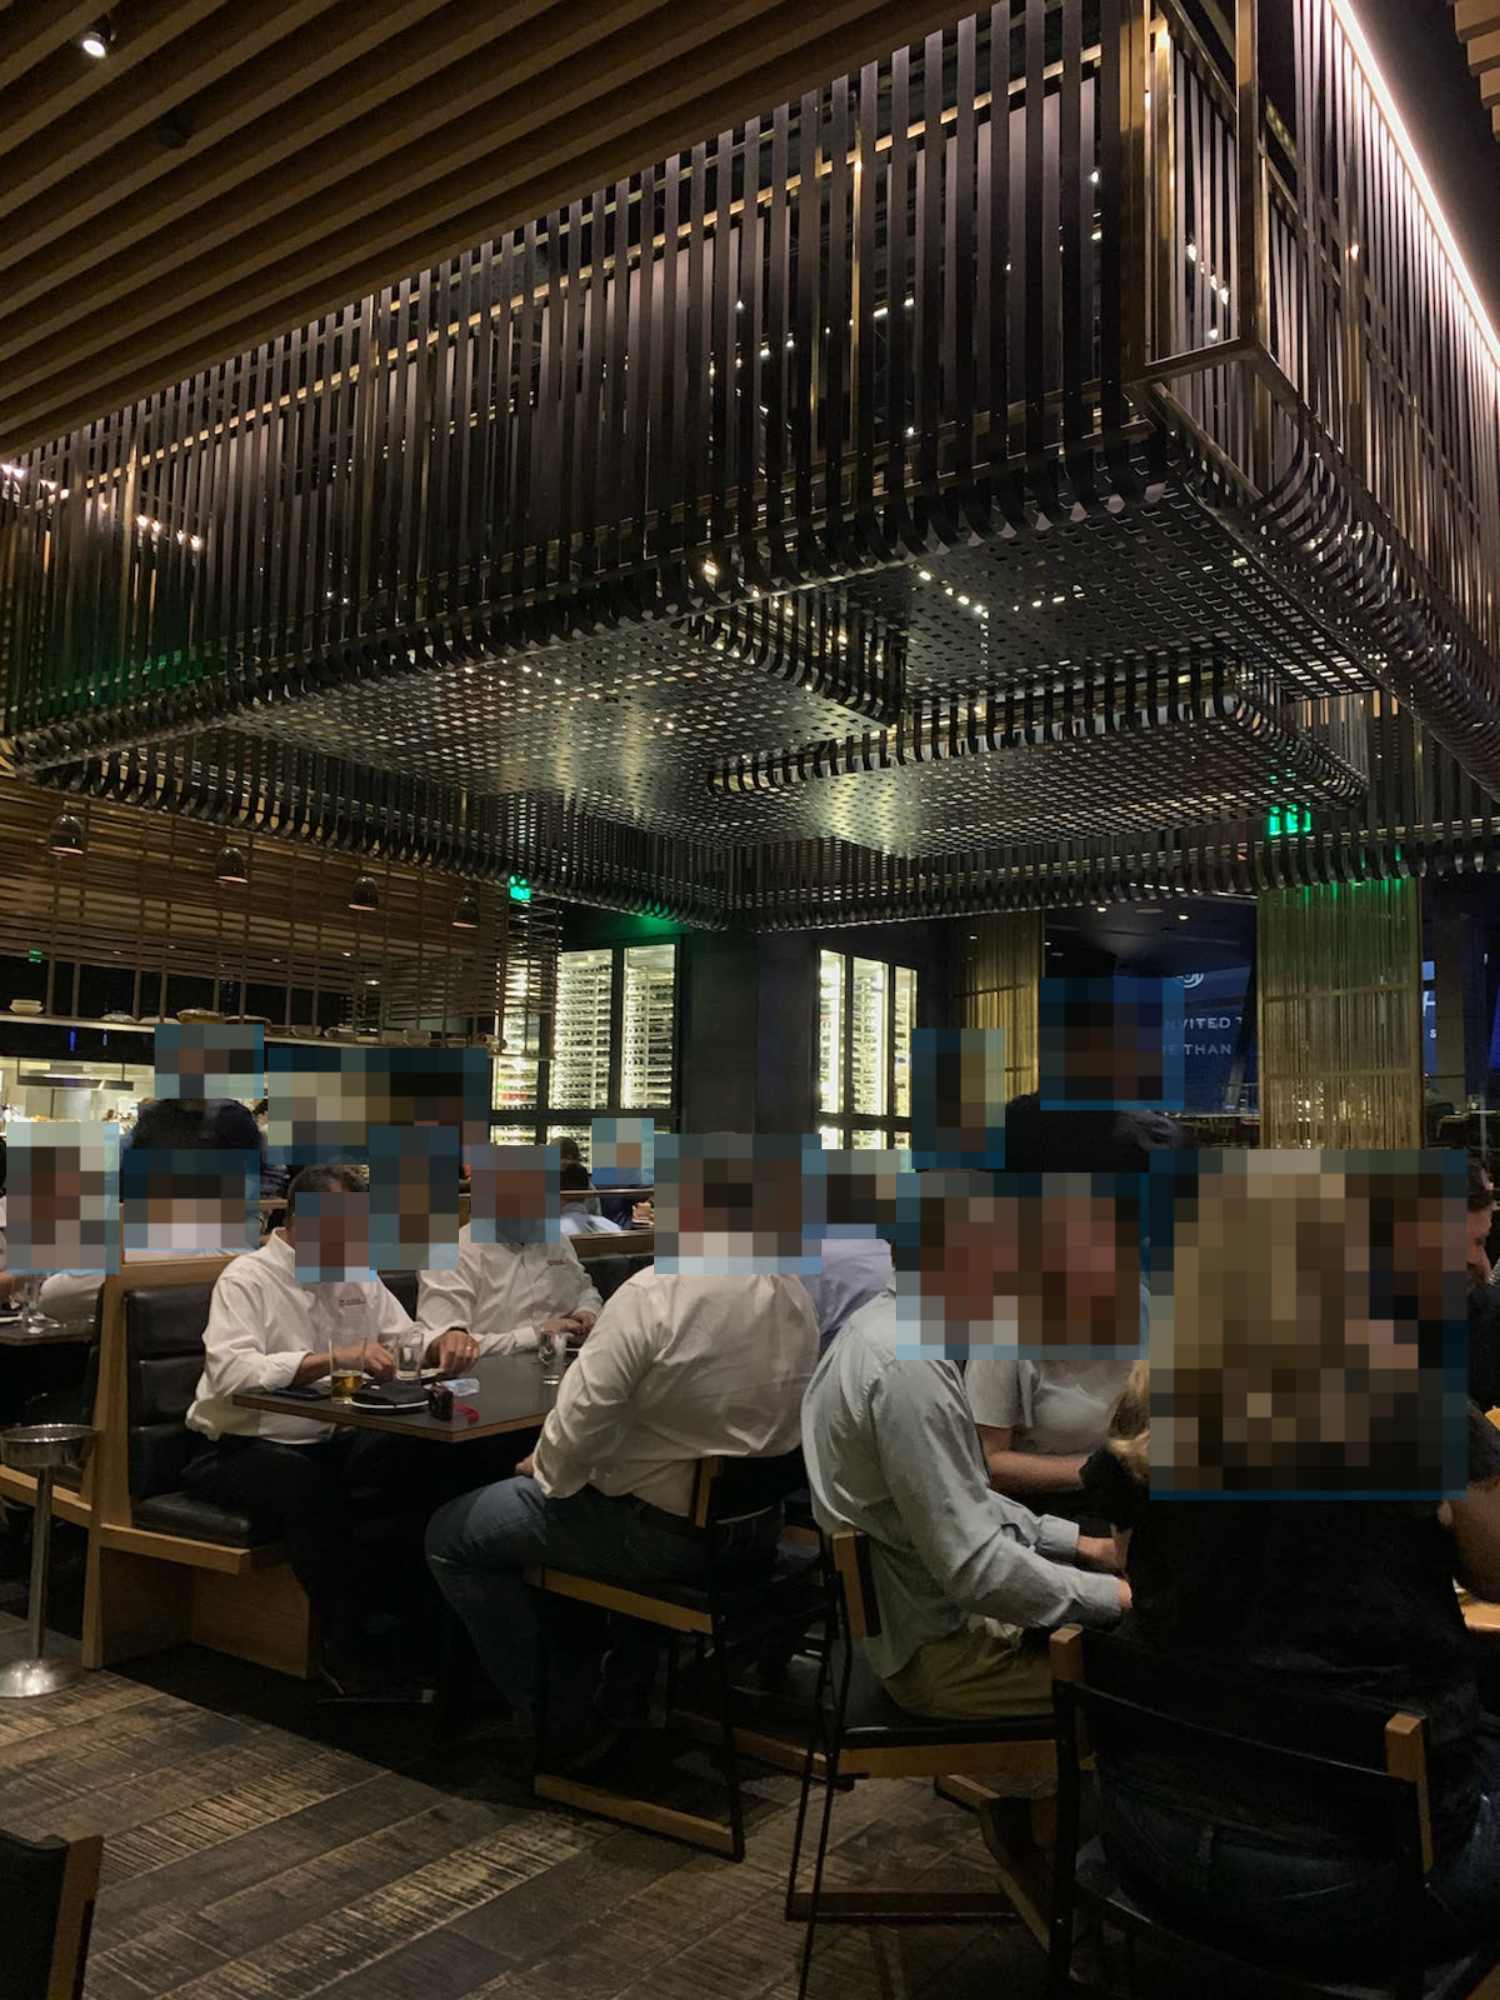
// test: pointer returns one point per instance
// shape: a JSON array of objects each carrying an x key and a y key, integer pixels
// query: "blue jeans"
[
  {"x": 479, "y": 1545},
  {"x": 1328, "y": 1909}
]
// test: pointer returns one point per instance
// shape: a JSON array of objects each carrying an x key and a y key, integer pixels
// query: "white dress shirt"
[
  {"x": 679, "y": 1369},
  {"x": 500, "y": 1291},
  {"x": 261, "y": 1322},
  {"x": 72, "y": 1297}
]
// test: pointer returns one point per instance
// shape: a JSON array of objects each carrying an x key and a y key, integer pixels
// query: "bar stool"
[{"x": 45, "y": 1450}]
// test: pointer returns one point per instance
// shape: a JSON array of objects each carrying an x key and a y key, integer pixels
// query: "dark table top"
[
  {"x": 511, "y": 1397},
  {"x": 13, "y": 1334}
]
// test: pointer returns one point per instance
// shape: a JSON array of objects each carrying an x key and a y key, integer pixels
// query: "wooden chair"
[
  {"x": 1357, "y": 1771},
  {"x": 47, "y": 1891},
  {"x": 739, "y": 1605},
  {"x": 866, "y": 1734}
]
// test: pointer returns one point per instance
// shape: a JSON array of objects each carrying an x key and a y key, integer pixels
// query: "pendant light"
[
  {"x": 365, "y": 895},
  {"x": 66, "y": 836},
  {"x": 466, "y": 912},
  {"x": 231, "y": 866}
]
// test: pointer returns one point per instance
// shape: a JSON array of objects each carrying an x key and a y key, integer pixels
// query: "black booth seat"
[{"x": 164, "y": 1359}]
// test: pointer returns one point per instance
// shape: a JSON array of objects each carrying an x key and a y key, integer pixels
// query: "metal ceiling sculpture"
[{"x": 1030, "y": 364}]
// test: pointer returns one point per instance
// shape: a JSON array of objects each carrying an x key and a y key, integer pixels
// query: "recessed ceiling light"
[{"x": 98, "y": 40}]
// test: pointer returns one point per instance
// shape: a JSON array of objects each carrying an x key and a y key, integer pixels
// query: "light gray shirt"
[
  {"x": 1057, "y": 1406},
  {"x": 892, "y": 1453}
]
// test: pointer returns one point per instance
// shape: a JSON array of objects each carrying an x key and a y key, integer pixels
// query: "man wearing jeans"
[{"x": 678, "y": 1369}]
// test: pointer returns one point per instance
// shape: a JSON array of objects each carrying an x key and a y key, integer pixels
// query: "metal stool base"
[{"x": 23, "y": 1679}]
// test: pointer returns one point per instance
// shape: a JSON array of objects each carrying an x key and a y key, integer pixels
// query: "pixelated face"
[
  {"x": 732, "y": 1204},
  {"x": 330, "y": 1235},
  {"x": 623, "y": 1150},
  {"x": 64, "y": 1198},
  {"x": 958, "y": 1097},
  {"x": 1059, "y": 1269},
  {"x": 188, "y": 1202},
  {"x": 514, "y": 1194},
  {"x": 1317, "y": 1332},
  {"x": 323, "y": 1104},
  {"x": 854, "y": 1193},
  {"x": 1112, "y": 1044},
  {"x": 414, "y": 1177},
  {"x": 209, "y": 1060}
]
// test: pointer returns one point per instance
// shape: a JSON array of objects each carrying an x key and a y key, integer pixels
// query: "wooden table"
[
  {"x": 13, "y": 1334},
  {"x": 1481, "y": 1616},
  {"x": 511, "y": 1397}
]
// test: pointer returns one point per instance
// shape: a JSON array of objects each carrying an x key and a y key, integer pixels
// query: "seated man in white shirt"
[
  {"x": 268, "y": 1330},
  {"x": 677, "y": 1369},
  {"x": 965, "y": 1578},
  {"x": 503, "y": 1292}
]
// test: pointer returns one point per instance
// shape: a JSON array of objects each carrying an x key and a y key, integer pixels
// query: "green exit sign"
[
  {"x": 33, "y": 957},
  {"x": 1289, "y": 820},
  {"x": 520, "y": 889}
]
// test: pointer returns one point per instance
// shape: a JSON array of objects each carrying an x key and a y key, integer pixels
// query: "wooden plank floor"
[{"x": 258, "y": 1847}]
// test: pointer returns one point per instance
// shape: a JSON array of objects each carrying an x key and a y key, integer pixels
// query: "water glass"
[
  {"x": 552, "y": 1351},
  {"x": 410, "y": 1347}
]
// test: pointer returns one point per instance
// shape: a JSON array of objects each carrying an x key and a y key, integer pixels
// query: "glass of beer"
[{"x": 342, "y": 1379}]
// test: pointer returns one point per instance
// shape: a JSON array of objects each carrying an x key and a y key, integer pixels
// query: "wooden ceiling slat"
[
  {"x": 388, "y": 108},
  {"x": 1484, "y": 51},
  {"x": 126, "y": 111},
  {"x": 678, "y": 103},
  {"x": 333, "y": 71},
  {"x": 1475, "y": 17},
  {"x": 32, "y": 30},
  {"x": 61, "y": 86},
  {"x": 756, "y": 66}
]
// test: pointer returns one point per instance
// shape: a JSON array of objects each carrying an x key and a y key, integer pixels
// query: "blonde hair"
[{"x": 1129, "y": 1432}]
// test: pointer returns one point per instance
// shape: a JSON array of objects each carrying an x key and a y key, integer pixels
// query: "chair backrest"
[
  {"x": 856, "y": 1583},
  {"x": 403, "y": 1286},
  {"x": 47, "y": 1891},
  {"x": 164, "y": 1359},
  {"x": 1356, "y": 1772}
]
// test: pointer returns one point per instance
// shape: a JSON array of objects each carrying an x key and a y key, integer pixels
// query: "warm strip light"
[{"x": 1343, "y": 12}]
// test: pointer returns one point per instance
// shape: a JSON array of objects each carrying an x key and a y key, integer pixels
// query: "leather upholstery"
[
  {"x": 609, "y": 1273},
  {"x": 164, "y": 1358},
  {"x": 404, "y": 1285},
  {"x": 199, "y": 1520}
]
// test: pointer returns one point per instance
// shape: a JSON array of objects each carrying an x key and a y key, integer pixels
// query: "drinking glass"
[
  {"x": 410, "y": 1348},
  {"x": 342, "y": 1380},
  {"x": 552, "y": 1350}
]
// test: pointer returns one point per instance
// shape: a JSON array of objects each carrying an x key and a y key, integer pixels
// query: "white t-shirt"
[
  {"x": 1053, "y": 1406},
  {"x": 261, "y": 1321}
]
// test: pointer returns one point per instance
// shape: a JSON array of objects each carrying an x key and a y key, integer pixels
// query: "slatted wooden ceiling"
[
  {"x": 228, "y": 171},
  {"x": 1478, "y": 25}
]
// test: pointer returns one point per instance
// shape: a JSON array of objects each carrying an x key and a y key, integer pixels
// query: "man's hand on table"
[
  {"x": 11, "y": 1289},
  {"x": 581, "y": 1323},
  {"x": 526, "y": 1469},
  {"x": 452, "y": 1352},
  {"x": 376, "y": 1361}
]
